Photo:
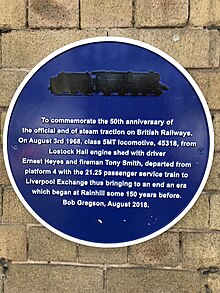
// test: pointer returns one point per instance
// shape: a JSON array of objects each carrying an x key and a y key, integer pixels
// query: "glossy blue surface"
[{"x": 108, "y": 224}]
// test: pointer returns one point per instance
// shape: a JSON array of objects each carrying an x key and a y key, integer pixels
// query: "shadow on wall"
[{"x": 49, "y": 7}]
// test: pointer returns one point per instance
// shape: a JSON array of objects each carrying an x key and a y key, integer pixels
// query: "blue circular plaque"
[{"x": 108, "y": 142}]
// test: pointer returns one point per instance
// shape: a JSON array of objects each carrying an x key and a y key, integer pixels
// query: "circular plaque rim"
[{"x": 117, "y": 40}]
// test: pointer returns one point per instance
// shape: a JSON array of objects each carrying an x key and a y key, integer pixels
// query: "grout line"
[
  {"x": 189, "y": 12},
  {"x": 4, "y": 267},
  {"x": 27, "y": 13},
  {"x": 79, "y": 3},
  {"x": 28, "y": 245},
  {"x": 142, "y": 28},
  {"x": 128, "y": 253},
  {"x": 15, "y": 69},
  {"x": 133, "y": 21},
  {"x": 1, "y": 51},
  {"x": 2, "y": 200},
  {"x": 209, "y": 202},
  {"x": 105, "y": 279},
  {"x": 193, "y": 230},
  {"x": 180, "y": 249},
  {"x": 213, "y": 112},
  {"x": 102, "y": 266},
  {"x": 77, "y": 252}
]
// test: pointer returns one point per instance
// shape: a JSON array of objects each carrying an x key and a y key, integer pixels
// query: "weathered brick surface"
[
  {"x": 161, "y": 13},
  {"x": 9, "y": 82},
  {"x": 53, "y": 279},
  {"x": 24, "y": 49},
  {"x": 205, "y": 12},
  {"x": 1, "y": 192},
  {"x": 142, "y": 280},
  {"x": 3, "y": 115},
  {"x": 47, "y": 246},
  {"x": 101, "y": 13},
  {"x": 59, "y": 13},
  {"x": 0, "y": 52},
  {"x": 214, "y": 283},
  {"x": 208, "y": 81},
  {"x": 180, "y": 44},
  {"x": 201, "y": 249},
  {"x": 13, "y": 210},
  {"x": 39, "y": 28},
  {"x": 13, "y": 14},
  {"x": 213, "y": 182},
  {"x": 198, "y": 215},
  {"x": 215, "y": 212},
  {"x": 102, "y": 256},
  {"x": 162, "y": 250},
  {"x": 13, "y": 242},
  {"x": 216, "y": 124},
  {"x": 3, "y": 175}
]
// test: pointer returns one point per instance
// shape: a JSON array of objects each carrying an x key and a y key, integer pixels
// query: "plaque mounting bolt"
[
  {"x": 15, "y": 147},
  {"x": 200, "y": 151}
]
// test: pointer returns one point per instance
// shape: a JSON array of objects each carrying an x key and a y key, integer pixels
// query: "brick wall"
[{"x": 184, "y": 259}]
